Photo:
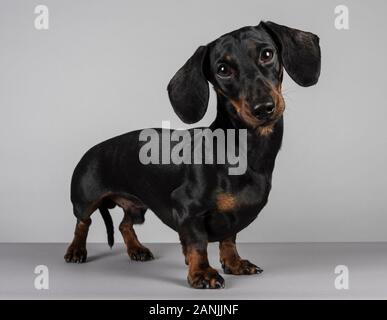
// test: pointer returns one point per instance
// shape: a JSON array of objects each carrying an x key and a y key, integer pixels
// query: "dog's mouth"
[
  {"x": 266, "y": 122},
  {"x": 272, "y": 112},
  {"x": 265, "y": 118}
]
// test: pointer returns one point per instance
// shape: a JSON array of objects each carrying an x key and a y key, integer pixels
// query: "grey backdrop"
[{"x": 102, "y": 69}]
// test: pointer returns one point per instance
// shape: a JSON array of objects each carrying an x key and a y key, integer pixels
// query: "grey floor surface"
[{"x": 292, "y": 271}]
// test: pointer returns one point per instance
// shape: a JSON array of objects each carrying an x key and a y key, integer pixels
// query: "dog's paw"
[
  {"x": 76, "y": 255},
  {"x": 240, "y": 267},
  {"x": 140, "y": 254},
  {"x": 205, "y": 279}
]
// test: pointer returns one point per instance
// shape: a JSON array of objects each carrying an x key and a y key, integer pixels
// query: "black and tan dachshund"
[{"x": 202, "y": 202}]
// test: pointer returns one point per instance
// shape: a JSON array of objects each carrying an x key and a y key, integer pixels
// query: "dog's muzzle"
[{"x": 264, "y": 110}]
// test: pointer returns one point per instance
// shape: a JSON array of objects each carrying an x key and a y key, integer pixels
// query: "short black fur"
[{"x": 203, "y": 203}]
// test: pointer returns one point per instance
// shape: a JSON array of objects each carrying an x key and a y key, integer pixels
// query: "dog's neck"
[{"x": 261, "y": 149}]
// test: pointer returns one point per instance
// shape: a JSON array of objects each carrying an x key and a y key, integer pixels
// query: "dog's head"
[{"x": 246, "y": 69}]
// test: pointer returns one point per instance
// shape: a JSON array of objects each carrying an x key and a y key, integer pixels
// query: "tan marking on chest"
[{"x": 226, "y": 202}]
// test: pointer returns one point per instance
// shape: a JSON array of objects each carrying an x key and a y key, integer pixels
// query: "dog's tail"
[{"x": 107, "y": 219}]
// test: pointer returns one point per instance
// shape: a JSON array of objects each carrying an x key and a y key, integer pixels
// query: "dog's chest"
[{"x": 235, "y": 207}]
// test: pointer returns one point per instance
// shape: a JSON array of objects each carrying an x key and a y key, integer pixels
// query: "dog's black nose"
[{"x": 264, "y": 110}]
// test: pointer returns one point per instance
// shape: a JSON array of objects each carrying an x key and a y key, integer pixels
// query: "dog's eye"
[
  {"x": 267, "y": 56},
  {"x": 224, "y": 71}
]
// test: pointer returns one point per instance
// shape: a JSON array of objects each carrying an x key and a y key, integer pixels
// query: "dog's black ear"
[
  {"x": 188, "y": 89},
  {"x": 300, "y": 52}
]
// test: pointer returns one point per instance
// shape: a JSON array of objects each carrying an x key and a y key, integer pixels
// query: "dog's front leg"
[
  {"x": 231, "y": 262},
  {"x": 194, "y": 241}
]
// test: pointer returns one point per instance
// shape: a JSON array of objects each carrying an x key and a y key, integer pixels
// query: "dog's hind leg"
[
  {"x": 135, "y": 249},
  {"x": 77, "y": 252}
]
